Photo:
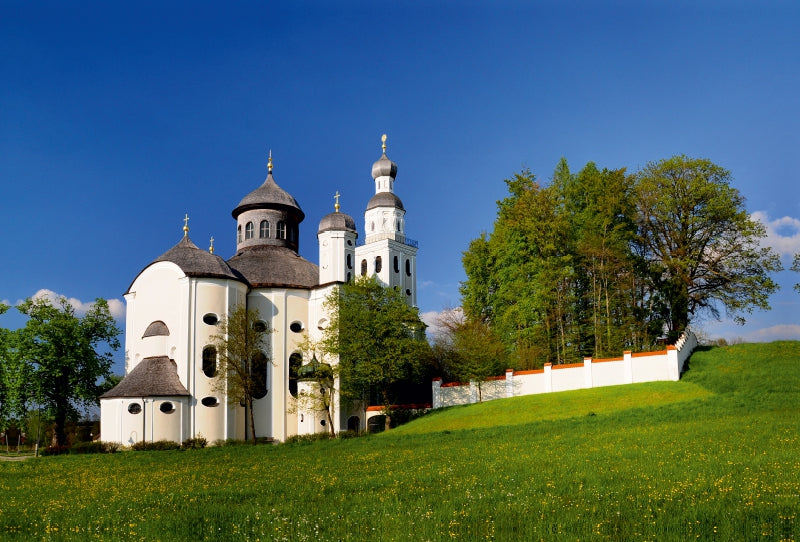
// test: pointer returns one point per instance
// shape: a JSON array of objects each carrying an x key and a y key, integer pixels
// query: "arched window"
[
  {"x": 396, "y": 264},
  {"x": 349, "y": 261},
  {"x": 295, "y": 362},
  {"x": 292, "y": 233},
  {"x": 363, "y": 268},
  {"x": 349, "y": 277},
  {"x": 210, "y": 361},
  {"x": 259, "y": 371},
  {"x": 378, "y": 264},
  {"x": 408, "y": 268},
  {"x": 238, "y": 234},
  {"x": 263, "y": 230},
  {"x": 281, "y": 230},
  {"x": 248, "y": 231}
]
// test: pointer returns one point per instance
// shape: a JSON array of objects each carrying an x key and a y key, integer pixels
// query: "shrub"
[
  {"x": 194, "y": 443},
  {"x": 158, "y": 445},
  {"x": 95, "y": 447},
  {"x": 307, "y": 439},
  {"x": 55, "y": 450}
]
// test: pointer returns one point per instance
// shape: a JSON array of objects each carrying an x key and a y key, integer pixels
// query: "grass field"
[{"x": 714, "y": 456}]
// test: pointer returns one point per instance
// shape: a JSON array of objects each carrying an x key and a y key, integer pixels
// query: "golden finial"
[
  {"x": 383, "y": 143},
  {"x": 336, "y": 197},
  {"x": 269, "y": 162},
  {"x": 211, "y": 248},
  {"x": 186, "y": 225}
]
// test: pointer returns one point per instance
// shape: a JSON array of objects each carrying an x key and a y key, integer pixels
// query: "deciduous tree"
[
  {"x": 65, "y": 355},
  {"x": 378, "y": 338},
  {"x": 702, "y": 246},
  {"x": 241, "y": 344}
]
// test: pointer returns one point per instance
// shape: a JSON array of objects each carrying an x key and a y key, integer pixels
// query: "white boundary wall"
[{"x": 630, "y": 368}]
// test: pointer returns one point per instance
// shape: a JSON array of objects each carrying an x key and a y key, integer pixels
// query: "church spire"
[{"x": 186, "y": 225}]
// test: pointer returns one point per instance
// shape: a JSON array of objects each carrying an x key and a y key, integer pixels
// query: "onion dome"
[
  {"x": 269, "y": 196},
  {"x": 385, "y": 199},
  {"x": 384, "y": 167},
  {"x": 337, "y": 221}
]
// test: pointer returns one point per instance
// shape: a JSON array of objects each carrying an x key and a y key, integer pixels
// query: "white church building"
[{"x": 175, "y": 303}]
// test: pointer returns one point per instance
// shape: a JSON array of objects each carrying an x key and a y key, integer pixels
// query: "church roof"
[
  {"x": 269, "y": 196},
  {"x": 338, "y": 222},
  {"x": 384, "y": 167},
  {"x": 195, "y": 262},
  {"x": 385, "y": 199},
  {"x": 274, "y": 266},
  {"x": 153, "y": 377}
]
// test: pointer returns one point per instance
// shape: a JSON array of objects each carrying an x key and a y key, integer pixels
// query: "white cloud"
[
  {"x": 780, "y": 332},
  {"x": 783, "y": 234},
  {"x": 432, "y": 319},
  {"x": 115, "y": 306}
]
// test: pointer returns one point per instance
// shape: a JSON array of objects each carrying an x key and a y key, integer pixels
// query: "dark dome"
[
  {"x": 384, "y": 167},
  {"x": 338, "y": 222},
  {"x": 266, "y": 266},
  {"x": 155, "y": 376},
  {"x": 269, "y": 196},
  {"x": 385, "y": 199},
  {"x": 195, "y": 262}
]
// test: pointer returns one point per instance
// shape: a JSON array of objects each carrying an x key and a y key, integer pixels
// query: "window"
[
  {"x": 349, "y": 277},
  {"x": 210, "y": 318},
  {"x": 349, "y": 261},
  {"x": 378, "y": 264},
  {"x": 295, "y": 362},
  {"x": 363, "y": 268},
  {"x": 238, "y": 234},
  {"x": 258, "y": 369},
  {"x": 281, "y": 230},
  {"x": 296, "y": 327},
  {"x": 209, "y": 401},
  {"x": 292, "y": 233},
  {"x": 134, "y": 408},
  {"x": 260, "y": 326},
  {"x": 167, "y": 407},
  {"x": 263, "y": 230},
  {"x": 408, "y": 268},
  {"x": 248, "y": 231},
  {"x": 408, "y": 292},
  {"x": 210, "y": 361},
  {"x": 396, "y": 264}
]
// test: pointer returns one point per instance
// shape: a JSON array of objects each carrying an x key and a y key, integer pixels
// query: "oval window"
[
  {"x": 322, "y": 324},
  {"x": 210, "y": 319},
  {"x": 167, "y": 408},
  {"x": 378, "y": 264},
  {"x": 408, "y": 267},
  {"x": 396, "y": 264},
  {"x": 296, "y": 327},
  {"x": 408, "y": 292},
  {"x": 210, "y": 361},
  {"x": 349, "y": 261},
  {"x": 134, "y": 408},
  {"x": 209, "y": 401},
  {"x": 260, "y": 326}
]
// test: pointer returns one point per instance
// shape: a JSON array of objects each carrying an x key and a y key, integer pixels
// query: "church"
[{"x": 175, "y": 303}]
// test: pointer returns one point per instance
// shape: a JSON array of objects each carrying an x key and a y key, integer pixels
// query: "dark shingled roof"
[
  {"x": 267, "y": 266},
  {"x": 337, "y": 221},
  {"x": 269, "y": 196},
  {"x": 153, "y": 377},
  {"x": 195, "y": 262},
  {"x": 385, "y": 199},
  {"x": 155, "y": 329}
]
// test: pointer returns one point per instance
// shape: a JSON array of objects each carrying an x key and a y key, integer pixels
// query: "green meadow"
[{"x": 714, "y": 456}]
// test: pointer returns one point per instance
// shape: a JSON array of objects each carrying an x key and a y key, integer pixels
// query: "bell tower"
[{"x": 387, "y": 252}]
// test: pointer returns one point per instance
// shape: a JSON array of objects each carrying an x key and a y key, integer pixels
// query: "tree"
[
  {"x": 796, "y": 268},
  {"x": 468, "y": 350},
  {"x": 241, "y": 344},
  {"x": 700, "y": 243},
  {"x": 65, "y": 355},
  {"x": 378, "y": 338},
  {"x": 324, "y": 375}
]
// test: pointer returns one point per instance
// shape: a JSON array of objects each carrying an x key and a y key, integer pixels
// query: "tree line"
[{"x": 600, "y": 261}]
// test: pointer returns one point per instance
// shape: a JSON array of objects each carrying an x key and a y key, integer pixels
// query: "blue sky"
[{"x": 116, "y": 119}]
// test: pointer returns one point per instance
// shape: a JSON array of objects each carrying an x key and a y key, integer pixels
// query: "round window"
[
  {"x": 296, "y": 327},
  {"x": 167, "y": 408},
  {"x": 210, "y": 319},
  {"x": 260, "y": 326},
  {"x": 134, "y": 408},
  {"x": 209, "y": 401},
  {"x": 322, "y": 324}
]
